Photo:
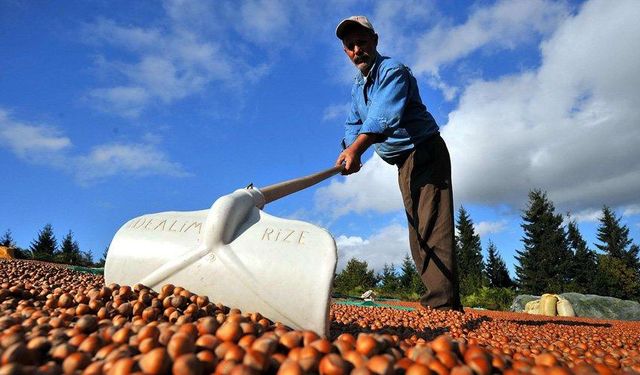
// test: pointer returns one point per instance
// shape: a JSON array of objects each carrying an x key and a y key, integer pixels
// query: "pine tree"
[
  {"x": 618, "y": 267},
  {"x": 7, "y": 240},
  {"x": 469, "y": 252},
  {"x": 410, "y": 281},
  {"x": 632, "y": 257},
  {"x": 407, "y": 272},
  {"x": 103, "y": 258},
  {"x": 615, "y": 241},
  {"x": 45, "y": 246},
  {"x": 496, "y": 269},
  {"x": 389, "y": 280},
  {"x": 614, "y": 237},
  {"x": 356, "y": 276},
  {"x": 544, "y": 263},
  {"x": 18, "y": 253},
  {"x": 583, "y": 267},
  {"x": 615, "y": 279},
  {"x": 70, "y": 250},
  {"x": 86, "y": 259}
]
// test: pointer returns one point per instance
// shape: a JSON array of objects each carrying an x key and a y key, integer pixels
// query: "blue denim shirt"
[{"x": 387, "y": 102}]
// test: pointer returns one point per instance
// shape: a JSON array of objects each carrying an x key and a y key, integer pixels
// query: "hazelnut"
[{"x": 156, "y": 361}]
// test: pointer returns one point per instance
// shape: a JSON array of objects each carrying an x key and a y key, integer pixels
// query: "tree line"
[
  {"x": 357, "y": 277},
  {"x": 45, "y": 247},
  {"x": 554, "y": 258}
]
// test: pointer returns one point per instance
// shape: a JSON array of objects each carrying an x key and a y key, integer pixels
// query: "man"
[{"x": 387, "y": 112}]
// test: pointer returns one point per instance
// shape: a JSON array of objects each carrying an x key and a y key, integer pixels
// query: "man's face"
[{"x": 360, "y": 45}]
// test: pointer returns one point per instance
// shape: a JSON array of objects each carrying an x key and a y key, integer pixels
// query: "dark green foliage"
[
  {"x": 490, "y": 298},
  {"x": 20, "y": 253},
  {"x": 408, "y": 272},
  {"x": 583, "y": 267},
  {"x": 545, "y": 262},
  {"x": 69, "y": 250},
  {"x": 410, "y": 282},
  {"x": 103, "y": 258},
  {"x": 45, "y": 246},
  {"x": 7, "y": 240},
  {"x": 496, "y": 269},
  {"x": 613, "y": 237},
  {"x": 469, "y": 254},
  {"x": 389, "y": 280},
  {"x": 619, "y": 267},
  {"x": 355, "y": 277},
  {"x": 615, "y": 279},
  {"x": 632, "y": 259},
  {"x": 86, "y": 259}
]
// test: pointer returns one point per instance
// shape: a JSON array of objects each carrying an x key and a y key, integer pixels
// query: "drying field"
[{"x": 53, "y": 320}]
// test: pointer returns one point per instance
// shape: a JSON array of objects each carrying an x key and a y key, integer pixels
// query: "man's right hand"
[
  {"x": 350, "y": 160},
  {"x": 350, "y": 156}
]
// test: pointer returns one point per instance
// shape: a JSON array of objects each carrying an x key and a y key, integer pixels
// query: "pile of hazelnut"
[{"x": 57, "y": 321}]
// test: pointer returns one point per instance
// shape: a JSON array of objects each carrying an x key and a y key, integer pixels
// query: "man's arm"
[
  {"x": 385, "y": 112},
  {"x": 352, "y": 154},
  {"x": 388, "y": 102}
]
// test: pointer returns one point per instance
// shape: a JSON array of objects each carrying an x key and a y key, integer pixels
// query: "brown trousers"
[{"x": 425, "y": 182}]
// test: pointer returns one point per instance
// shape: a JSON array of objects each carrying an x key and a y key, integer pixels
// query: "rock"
[
  {"x": 594, "y": 306},
  {"x": 586, "y": 305}
]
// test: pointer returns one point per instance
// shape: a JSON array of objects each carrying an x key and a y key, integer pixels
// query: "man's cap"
[{"x": 353, "y": 20}]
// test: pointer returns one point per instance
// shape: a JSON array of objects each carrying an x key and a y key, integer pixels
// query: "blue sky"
[{"x": 113, "y": 109}]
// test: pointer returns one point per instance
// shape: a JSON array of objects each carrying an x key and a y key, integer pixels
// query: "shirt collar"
[
  {"x": 374, "y": 68},
  {"x": 372, "y": 72}
]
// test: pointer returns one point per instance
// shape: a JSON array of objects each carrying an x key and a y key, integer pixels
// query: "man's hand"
[
  {"x": 350, "y": 157},
  {"x": 351, "y": 161}
]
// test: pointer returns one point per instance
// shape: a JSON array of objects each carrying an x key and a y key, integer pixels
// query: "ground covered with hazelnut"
[{"x": 57, "y": 321}]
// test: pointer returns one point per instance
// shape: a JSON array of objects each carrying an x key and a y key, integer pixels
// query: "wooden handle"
[{"x": 282, "y": 189}]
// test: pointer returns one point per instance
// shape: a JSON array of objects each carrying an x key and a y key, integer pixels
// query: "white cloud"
[
  {"x": 569, "y": 127},
  {"x": 448, "y": 91},
  {"x": 336, "y": 111},
  {"x": 31, "y": 142},
  {"x": 125, "y": 159},
  {"x": 269, "y": 20},
  {"x": 484, "y": 228},
  {"x": 127, "y": 101},
  {"x": 586, "y": 216},
  {"x": 388, "y": 245},
  {"x": 199, "y": 46},
  {"x": 162, "y": 66},
  {"x": 373, "y": 188},
  {"x": 45, "y": 145},
  {"x": 132, "y": 38},
  {"x": 631, "y": 210},
  {"x": 503, "y": 25},
  {"x": 353, "y": 241},
  {"x": 400, "y": 22}
]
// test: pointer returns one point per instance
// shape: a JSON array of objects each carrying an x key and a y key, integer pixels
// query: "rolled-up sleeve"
[
  {"x": 388, "y": 102},
  {"x": 353, "y": 124}
]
